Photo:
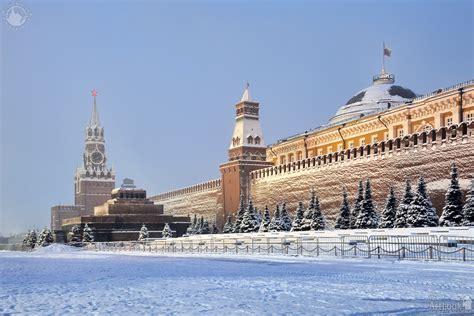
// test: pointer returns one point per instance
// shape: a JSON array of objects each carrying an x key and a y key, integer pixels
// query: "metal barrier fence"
[{"x": 401, "y": 247}]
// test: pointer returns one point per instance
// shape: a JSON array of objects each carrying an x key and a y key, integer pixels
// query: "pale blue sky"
[{"x": 168, "y": 74}]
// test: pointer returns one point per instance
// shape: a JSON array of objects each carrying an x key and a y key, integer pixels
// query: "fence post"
[
  {"x": 431, "y": 252},
  {"x": 369, "y": 251},
  {"x": 463, "y": 253},
  {"x": 378, "y": 252},
  {"x": 317, "y": 247}
]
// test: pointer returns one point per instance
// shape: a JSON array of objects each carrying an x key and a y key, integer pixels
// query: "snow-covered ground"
[{"x": 58, "y": 280}]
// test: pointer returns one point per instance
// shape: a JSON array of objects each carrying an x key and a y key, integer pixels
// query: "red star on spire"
[{"x": 94, "y": 93}]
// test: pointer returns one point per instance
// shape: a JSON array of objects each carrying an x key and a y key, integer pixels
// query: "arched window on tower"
[
  {"x": 250, "y": 140},
  {"x": 257, "y": 140}
]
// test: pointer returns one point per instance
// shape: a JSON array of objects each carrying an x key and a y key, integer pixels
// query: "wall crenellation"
[
  {"x": 211, "y": 184},
  {"x": 423, "y": 140}
]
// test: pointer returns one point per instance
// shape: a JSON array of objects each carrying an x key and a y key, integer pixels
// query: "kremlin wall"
[{"x": 385, "y": 132}]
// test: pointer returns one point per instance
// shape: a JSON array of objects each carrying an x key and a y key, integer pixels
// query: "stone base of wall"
[{"x": 432, "y": 162}]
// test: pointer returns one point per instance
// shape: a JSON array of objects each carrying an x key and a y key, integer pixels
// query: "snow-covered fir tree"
[
  {"x": 343, "y": 220},
  {"x": 259, "y": 216},
  {"x": 32, "y": 238},
  {"x": 402, "y": 210},
  {"x": 205, "y": 229},
  {"x": 264, "y": 225},
  {"x": 286, "y": 221},
  {"x": 299, "y": 217},
  {"x": 166, "y": 232},
  {"x": 452, "y": 211},
  {"x": 421, "y": 212},
  {"x": 368, "y": 217},
  {"x": 317, "y": 221},
  {"x": 87, "y": 234},
  {"x": 45, "y": 238},
  {"x": 200, "y": 226},
  {"x": 25, "y": 238},
  {"x": 308, "y": 214},
  {"x": 193, "y": 227},
  {"x": 144, "y": 234},
  {"x": 387, "y": 218},
  {"x": 75, "y": 233},
  {"x": 357, "y": 204},
  {"x": 468, "y": 209},
  {"x": 240, "y": 214},
  {"x": 228, "y": 227},
  {"x": 250, "y": 220},
  {"x": 275, "y": 223}
]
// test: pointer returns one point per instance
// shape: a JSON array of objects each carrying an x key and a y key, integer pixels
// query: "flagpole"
[{"x": 383, "y": 58}]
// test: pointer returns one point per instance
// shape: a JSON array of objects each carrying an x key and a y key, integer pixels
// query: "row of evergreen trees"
[
  {"x": 165, "y": 233},
  {"x": 414, "y": 210},
  {"x": 201, "y": 226},
  {"x": 43, "y": 239}
]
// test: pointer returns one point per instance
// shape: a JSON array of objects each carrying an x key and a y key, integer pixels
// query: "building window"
[
  {"x": 375, "y": 139},
  {"x": 329, "y": 149},
  {"x": 351, "y": 145},
  {"x": 449, "y": 121},
  {"x": 362, "y": 141},
  {"x": 257, "y": 140},
  {"x": 299, "y": 155},
  {"x": 250, "y": 140},
  {"x": 339, "y": 147},
  {"x": 282, "y": 160},
  {"x": 386, "y": 136},
  {"x": 470, "y": 116},
  {"x": 400, "y": 132},
  {"x": 291, "y": 157},
  {"x": 320, "y": 152}
]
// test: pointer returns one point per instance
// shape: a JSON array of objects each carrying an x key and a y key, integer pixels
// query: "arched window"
[
  {"x": 257, "y": 140},
  {"x": 250, "y": 140}
]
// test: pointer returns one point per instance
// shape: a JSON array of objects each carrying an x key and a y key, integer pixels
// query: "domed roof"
[{"x": 381, "y": 95}]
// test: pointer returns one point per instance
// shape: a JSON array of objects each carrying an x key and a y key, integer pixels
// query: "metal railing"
[{"x": 425, "y": 247}]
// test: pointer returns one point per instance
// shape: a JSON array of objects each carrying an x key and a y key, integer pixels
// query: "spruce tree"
[
  {"x": 452, "y": 210},
  {"x": 299, "y": 217},
  {"x": 275, "y": 223},
  {"x": 343, "y": 221},
  {"x": 421, "y": 212},
  {"x": 468, "y": 209},
  {"x": 228, "y": 227},
  {"x": 26, "y": 238},
  {"x": 32, "y": 239},
  {"x": 259, "y": 216},
  {"x": 264, "y": 225},
  {"x": 143, "y": 235},
  {"x": 249, "y": 221},
  {"x": 357, "y": 204},
  {"x": 402, "y": 210},
  {"x": 75, "y": 233},
  {"x": 87, "y": 235},
  {"x": 194, "y": 226},
  {"x": 387, "y": 219},
  {"x": 205, "y": 229},
  {"x": 45, "y": 238},
  {"x": 286, "y": 221},
  {"x": 308, "y": 215},
  {"x": 240, "y": 214},
  {"x": 317, "y": 221},
  {"x": 166, "y": 232},
  {"x": 368, "y": 217}
]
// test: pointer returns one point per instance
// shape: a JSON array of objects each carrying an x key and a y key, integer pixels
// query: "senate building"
[{"x": 385, "y": 132}]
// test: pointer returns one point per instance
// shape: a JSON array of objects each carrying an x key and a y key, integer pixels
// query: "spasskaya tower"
[{"x": 93, "y": 181}]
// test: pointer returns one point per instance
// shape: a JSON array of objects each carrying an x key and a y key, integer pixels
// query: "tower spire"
[
  {"x": 246, "y": 94},
  {"x": 94, "y": 121}
]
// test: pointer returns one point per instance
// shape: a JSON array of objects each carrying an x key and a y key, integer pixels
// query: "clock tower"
[{"x": 94, "y": 181}]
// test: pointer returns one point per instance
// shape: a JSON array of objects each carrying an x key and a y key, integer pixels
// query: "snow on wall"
[
  {"x": 202, "y": 201},
  {"x": 328, "y": 180}
]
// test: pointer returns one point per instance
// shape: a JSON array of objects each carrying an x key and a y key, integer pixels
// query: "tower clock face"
[{"x": 97, "y": 157}]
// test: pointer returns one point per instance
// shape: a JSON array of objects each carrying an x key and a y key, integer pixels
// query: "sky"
[{"x": 168, "y": 74}]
